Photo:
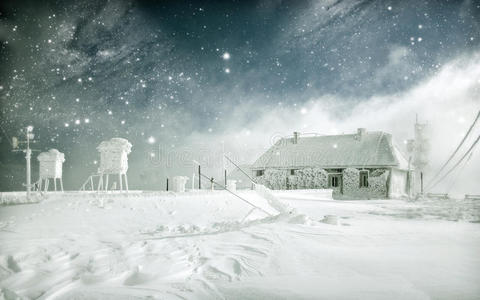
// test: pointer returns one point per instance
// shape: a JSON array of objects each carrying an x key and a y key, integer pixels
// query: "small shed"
[
  {"x": 114, "y": 160},
  {"x": 232, "y": 185},
  {"x": 179, "y": 183},
  {"x": 51, "y": 163}
]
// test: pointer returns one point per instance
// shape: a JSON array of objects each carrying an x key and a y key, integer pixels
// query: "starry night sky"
[{"x": 202, "y": 75}]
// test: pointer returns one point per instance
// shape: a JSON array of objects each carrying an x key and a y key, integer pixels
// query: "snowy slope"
[{"x": 193, "y": 246}]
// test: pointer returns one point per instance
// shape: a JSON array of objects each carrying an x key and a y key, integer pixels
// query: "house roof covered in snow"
[{"x": 363, "y": 149}]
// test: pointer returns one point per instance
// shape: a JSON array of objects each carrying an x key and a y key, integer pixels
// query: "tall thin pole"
[
  {"x": 421, "y": 182},
  {"x": 223, "y": 162},
  {"x": 199, "y": 178},
  {"x": 28, "y": 155}
]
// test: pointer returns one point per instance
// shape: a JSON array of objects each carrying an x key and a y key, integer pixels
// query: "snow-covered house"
[
  {"x": 360, "y": 165},
  {"x": 114, "y": 159},
  {"x": 51, "y": 163}
]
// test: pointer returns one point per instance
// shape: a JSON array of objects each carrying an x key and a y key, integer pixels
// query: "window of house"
[
  {"x": 260, "y": 172},
  {"x": 363, "y": 178},
  {"x": 292, "y": 172}
]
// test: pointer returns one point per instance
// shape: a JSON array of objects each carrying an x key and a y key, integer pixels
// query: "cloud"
[{"x": 448, "y": 101}]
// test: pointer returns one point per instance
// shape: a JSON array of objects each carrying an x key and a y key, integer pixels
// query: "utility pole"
[{"x": 419, "y": 149}]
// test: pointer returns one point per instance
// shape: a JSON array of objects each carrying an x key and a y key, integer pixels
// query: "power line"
[
  {"x": 251, "y": 179},
  {"x": 243, "y": 199},
  {"x": 460, "y": 172},
  {"x": 456, "y": 150},
  {"x": 456, "y": 165}
]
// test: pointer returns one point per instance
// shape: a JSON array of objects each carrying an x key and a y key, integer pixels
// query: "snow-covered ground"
[{"x": 195, "y": 246}]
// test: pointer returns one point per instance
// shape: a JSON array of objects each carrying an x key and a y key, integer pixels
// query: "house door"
[{"x": 335, "y": 182}]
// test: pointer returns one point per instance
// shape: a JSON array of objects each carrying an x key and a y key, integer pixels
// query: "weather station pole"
[{"x": 28, "y": 155}]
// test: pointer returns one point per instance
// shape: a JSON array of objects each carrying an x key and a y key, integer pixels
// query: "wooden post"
[
  {"x": 167, "y": 184},
  {"x": 421, "y": 183},
  {"x": 120, "y": 182},
  {"x": 100, "y": 183},
  {"x": 225, "y": 178},
  {"x": 55, "y": 183},
  {"x": 61, "y": 183},
  {"x": 126, "y": 182},
  {"x": 106, "y": 182},
  {"x": 199, "y": 178}
]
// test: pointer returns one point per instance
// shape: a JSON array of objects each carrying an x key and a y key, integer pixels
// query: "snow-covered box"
[
  {"x": 51, "y": 163},
  {"x": 114, "y": 156}
]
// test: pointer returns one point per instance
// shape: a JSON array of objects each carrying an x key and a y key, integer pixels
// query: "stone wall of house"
[
  {"x": 308, "y": 178},
  {"x": 377, "y": 184},
  {"x": 317, "y": 178}
]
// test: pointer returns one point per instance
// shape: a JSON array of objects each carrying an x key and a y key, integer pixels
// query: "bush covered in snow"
[
  {"x": 351, "y": 181},
  {"x": 377, "y": 183},
  {"x": 274, "y": 179},
  {"x": 310, "y": 178},
  {"x": 317, "y": 178}
]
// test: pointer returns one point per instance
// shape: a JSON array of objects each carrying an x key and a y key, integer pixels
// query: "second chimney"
[
  {"x": 360, "y": 133},
  {"x": 296, "y": 134}
]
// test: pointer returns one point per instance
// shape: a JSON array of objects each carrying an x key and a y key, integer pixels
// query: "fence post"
[{"x": 199, "y": 178}]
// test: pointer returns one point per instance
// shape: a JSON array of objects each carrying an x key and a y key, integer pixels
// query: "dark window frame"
[
  {"x": 259, "y": 173},
  {"x": 334, "y": 180},
  {"x": 363, "y": 178}
]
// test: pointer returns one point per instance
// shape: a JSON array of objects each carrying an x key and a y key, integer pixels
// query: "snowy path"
[{"x": 193, "y": 247}]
